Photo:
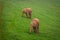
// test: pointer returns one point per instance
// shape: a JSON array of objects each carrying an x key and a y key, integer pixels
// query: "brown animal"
[
  {"x": 27, "y": 11},
  {"x": 34, "y": 25}
]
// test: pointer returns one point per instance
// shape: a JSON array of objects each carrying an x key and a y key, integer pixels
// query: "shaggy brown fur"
[
  {"x": 34, "y": 25},
  {"x": 27, "y": 11}
]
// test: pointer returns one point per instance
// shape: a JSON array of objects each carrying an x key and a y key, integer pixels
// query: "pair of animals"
[{"x": 34, "y": 25}]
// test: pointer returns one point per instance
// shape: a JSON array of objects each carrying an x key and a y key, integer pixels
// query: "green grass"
[{"x": 16, "y": 27}]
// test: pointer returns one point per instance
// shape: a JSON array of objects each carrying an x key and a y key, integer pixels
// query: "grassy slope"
[{"x": 16, "y": 27}]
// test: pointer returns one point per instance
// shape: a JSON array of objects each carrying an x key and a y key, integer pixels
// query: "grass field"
[{"x": 16, "y": 27}]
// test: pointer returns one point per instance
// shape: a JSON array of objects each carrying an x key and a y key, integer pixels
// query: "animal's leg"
[
  {"x": 29, "y": 15},
  {"x": 31, "y": 28},
  {"x": 37, "y": 29}
]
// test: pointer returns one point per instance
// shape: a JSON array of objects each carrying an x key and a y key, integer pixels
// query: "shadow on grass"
[{"x": 40, "y": 33}]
